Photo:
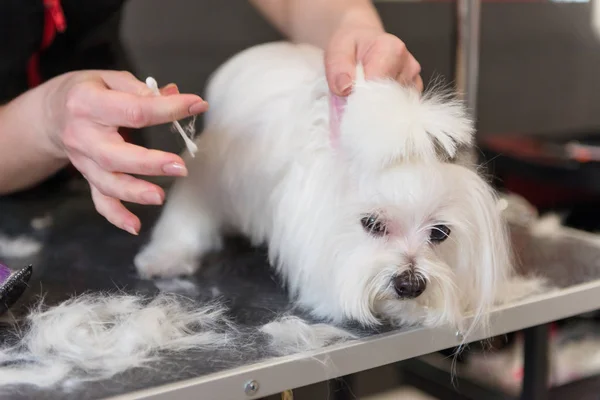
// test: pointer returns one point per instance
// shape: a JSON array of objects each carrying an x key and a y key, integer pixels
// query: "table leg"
[
  {"x": 468, "y": 16},
  {"x": 536, "y": 363},
  {"x": 341, "y": 388},
  {"x": 467, "y": 51}
]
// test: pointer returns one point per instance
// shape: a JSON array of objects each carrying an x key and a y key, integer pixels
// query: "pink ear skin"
[{"x": 336, "y": 109}]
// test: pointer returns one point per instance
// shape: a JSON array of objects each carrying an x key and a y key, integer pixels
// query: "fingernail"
[
  {"x": 151, "y": 198},
  {"x": 130, "y": 229},
  {"x": 170, "y": 89},
  {"x": 344, "y": 84},
  {"x": 198, "y": 107},
  {"x": 175, "y": 169}
]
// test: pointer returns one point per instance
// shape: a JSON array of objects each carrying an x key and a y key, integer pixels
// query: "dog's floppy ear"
[
  {"x": 384, "y": 122},
  {"x": 481, "y": 256}
]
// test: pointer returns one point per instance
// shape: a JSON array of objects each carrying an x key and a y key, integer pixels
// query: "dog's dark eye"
[
  {"x": 439, "y": 233},
  {"x": 373, "y": 225}
]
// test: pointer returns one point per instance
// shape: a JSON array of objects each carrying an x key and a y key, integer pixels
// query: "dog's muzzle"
[{"x": 409, "y": 285}]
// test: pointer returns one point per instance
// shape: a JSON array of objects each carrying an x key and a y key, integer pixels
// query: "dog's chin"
[
  {"x": 400, "y": 312},
  {"x": 429, "y": 311},
  {"x": 439, "y": 305}
]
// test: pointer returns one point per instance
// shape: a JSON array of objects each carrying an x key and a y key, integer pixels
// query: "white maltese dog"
[{"x": 365, "y": 211}]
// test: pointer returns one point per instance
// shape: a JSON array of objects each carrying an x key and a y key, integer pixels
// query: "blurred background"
[{"x": 539, "y": 64}]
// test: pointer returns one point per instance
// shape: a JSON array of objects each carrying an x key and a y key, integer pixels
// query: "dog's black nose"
[{"x": 408, "y": 285}]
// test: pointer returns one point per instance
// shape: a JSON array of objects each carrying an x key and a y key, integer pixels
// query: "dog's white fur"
[{"x": 268, "y": 168}]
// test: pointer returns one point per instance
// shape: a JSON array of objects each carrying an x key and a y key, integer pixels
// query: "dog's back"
[
  {"x": 257, "y": 125},
  {"x": 256, "y": 76}
]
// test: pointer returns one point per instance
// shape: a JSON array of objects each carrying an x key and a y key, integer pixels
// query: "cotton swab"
[{"x": 191, "y": 146}]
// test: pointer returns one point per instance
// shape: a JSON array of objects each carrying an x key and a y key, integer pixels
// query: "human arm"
[
  {"x": 26, "y": 152},
  {"x": 75, "y": 118},
  {"x": 349, "y": 31}
]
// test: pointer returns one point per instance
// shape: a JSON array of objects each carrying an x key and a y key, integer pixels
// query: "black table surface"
[{"x": 83, "y": 253}]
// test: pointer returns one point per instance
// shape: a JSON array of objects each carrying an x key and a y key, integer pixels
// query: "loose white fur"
[
  {"x": 548, "y": 225},
  {"x": 94, "y": 337},
  {"x": 18, "y": 247},
  {"x": 291, "y": 335},
  {"x": 178, "y": 286},
  {"x": 42, "y": 222},
  {"x": 269, "y": 168}
]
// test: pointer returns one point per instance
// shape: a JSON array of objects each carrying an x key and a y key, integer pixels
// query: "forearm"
[
  {"x": 315, "y": 21},
  {"x": 25, "y": 150}
]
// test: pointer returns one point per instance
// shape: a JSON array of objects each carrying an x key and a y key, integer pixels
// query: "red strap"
[
  {"x": 54, "y": 21},
  {"x": 33, "y": 74}
]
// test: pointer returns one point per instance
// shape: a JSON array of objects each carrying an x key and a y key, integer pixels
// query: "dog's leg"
[{"x": 186, "y": 230}]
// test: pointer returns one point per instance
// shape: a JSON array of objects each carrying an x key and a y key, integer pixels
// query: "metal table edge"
[{"x": 278, "y": 374}]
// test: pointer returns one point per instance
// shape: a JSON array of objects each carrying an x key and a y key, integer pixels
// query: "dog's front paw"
[{"x": 165, "y": 262}]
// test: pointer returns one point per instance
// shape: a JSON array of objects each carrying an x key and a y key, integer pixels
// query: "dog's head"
[
  {"x": 418, "y": 239},
  {"x": 419, "y": 243}
]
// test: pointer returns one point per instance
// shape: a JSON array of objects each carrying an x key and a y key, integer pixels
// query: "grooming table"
[{"x": 81, "y": 252}]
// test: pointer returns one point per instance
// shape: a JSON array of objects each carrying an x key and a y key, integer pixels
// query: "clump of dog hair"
[
  {"x": 18, "y": 247},
  {"x": 290, "y": 334},
  {"x": 96, "y": 336},
  {"x": 184, "y": 287},
  {"x": 42, "y": 222}
]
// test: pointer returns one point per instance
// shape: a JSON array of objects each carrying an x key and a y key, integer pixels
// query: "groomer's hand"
[
  {"x": 86, "y": 110},
  {"x": 383, "y": 56}
]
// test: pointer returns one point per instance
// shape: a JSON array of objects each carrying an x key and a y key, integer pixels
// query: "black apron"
[{"x": 41, "y": 39}]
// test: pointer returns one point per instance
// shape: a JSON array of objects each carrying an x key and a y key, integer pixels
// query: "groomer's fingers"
[
  {"x": 411, "y": 76},
  {"x": 169, "y": 90},
  {"x": 411, "y": 70},
  {"x": 113, "y": 108},
  {"x": 115, "y": 212},
  {"x": 111, "y": 153},
  {"x": 125, "y": 81},
  {"x": 92, "y": 101},
  {"x": 118, "y": 185},
  {"x": 389, "y": 57},
  {"x": 385, "y": 59},
  {"x": 340, "y": 65},
  {"x": 419, "y": 83}
]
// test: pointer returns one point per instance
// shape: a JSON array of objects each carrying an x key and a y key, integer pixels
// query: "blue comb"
[{"x": 12, "y": 285}]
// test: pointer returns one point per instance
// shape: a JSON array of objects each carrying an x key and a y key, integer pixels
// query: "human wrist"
[
  {"x": 25, "y": 116},
  {"x": 51, "y": 99},
  {"x": 28, "y": 154}
]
